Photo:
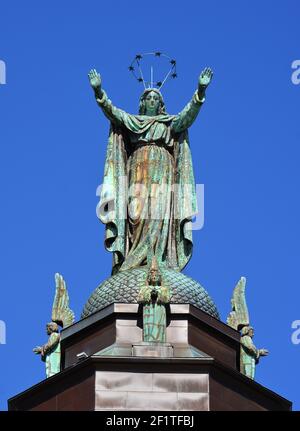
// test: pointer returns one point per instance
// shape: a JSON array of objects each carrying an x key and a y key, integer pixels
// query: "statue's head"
[
  {"x": 152, "y": 103},
  {"x": 247, "y": 330},
  {"x": 154, "y": 276},
  {"x": 52, "y": 327}
]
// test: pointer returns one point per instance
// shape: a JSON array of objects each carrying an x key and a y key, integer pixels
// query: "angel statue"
[
  {"x": 154, "y": 296},
  {"x": 148, "y": 187},
  {"x": 62, "y": 316},
  {"x": 239, "y": 319}
]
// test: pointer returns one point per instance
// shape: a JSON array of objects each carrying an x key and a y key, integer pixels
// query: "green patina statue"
[
  {"x": 250, "y": 355},
  {"x": 50, "y": 352},
  {"x": 62, "y": 316},
  {"x": 239, "y": 319},
  {"x": 154, "y": 296},
  {"x": 148, "y": 187}
]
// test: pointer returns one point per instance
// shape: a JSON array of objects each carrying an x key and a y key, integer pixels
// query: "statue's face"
[
  {"x": 49, "y": 329},
  {"x": 154, "y": 275},
  {"x": 152, "y": 103},
  {"x": 251, "y": 332}
]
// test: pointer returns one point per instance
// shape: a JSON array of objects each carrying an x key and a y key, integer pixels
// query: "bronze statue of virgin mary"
[{"x": 148, "y": 196}]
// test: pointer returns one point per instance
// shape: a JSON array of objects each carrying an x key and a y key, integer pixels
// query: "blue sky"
[{"x": 245, "y": 146}]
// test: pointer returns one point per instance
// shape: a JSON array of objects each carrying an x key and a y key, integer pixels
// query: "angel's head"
[
  {"x": 154, "y": 275},
  {"x": 247, "y": 330},
  {"x": 52, "y": 327},
  {"x": 152, "y": 103}
]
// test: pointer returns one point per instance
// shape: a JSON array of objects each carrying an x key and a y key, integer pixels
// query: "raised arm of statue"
[
  {"x": 113, "y": 113},
  {"x": 52, "y": 342},
  {"x": 187, "y": 116}
]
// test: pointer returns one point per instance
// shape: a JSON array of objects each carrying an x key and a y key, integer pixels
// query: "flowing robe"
[
  {"x": 51, "y": 354},
  {"x": 154, "y": 312},
  {"x": 154, "y": 322},
  {"x": 249, "y": 356},
  {"x": 148, "y": 195}
]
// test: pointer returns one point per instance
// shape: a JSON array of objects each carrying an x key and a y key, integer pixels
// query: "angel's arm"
[{"x": 52, "y": 342}]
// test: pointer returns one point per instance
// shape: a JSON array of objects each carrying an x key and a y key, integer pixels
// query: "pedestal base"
[
  {"x": 196, "y": 369},
  {"x": 153, "y": 350}
]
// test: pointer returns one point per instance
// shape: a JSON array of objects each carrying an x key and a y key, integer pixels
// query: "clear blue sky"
[{"x": 245, "y": 147}]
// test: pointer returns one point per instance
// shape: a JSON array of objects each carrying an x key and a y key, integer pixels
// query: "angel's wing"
[
  {"x": 61, "y": 312},
  {"x": 239, "y": 315}
]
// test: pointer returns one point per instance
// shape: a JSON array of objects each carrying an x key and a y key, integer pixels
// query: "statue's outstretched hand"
[
  {"x": 204, "y": 80},
  {"x": 95, "y": 80},
  {"x": 38, "y": 350},
  {"x": 263, "y": 352},
  {"x": 205, "y": 77}
]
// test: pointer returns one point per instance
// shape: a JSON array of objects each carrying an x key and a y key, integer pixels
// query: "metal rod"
[
  {"x": 141, "y": 74},
  {"x": 166, "y": 78},
  {"x": 151, "y": 77}
]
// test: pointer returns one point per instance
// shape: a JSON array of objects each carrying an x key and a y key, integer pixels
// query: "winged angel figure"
[
  {"x": 239, "y": 319},
  {"x": 62, "y": 316}
]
